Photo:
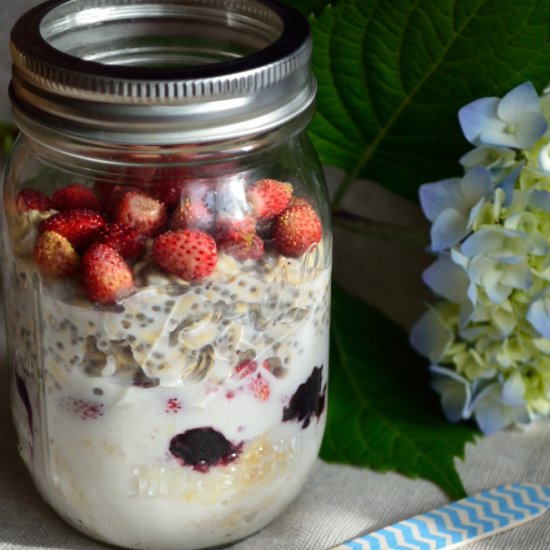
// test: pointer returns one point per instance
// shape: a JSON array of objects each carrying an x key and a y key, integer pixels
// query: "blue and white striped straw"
[{"x": 464, "y": 521}]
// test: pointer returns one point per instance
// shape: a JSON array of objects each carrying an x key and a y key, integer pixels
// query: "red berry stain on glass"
[
  {"x": 173, "y": 405},
  {"x": 86, "y": 410}
]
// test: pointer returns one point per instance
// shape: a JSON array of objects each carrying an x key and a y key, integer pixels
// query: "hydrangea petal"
[
  {"x": 507, "y": 183},
  {"x": 476, "y": 184},
  {"x": 497, "y": 133},
  {"x": 455, "y": 393},
  {"x": 513, "y": 390},
  {"x": 538, "y": 315},
  {"x": 527, "y": 223},
  {"x": 447, "y": 279},
  {"x": 517, "y": 276},
  {"x": 504, "y": 321},
  {"x": 472, "y": 295},
  {"x": 492, "y": 414},
  {"x": 529, "y": 129},
  {"x": 518, "y": 102},
  {"x": 473, "y": 117},
  {"x": 503, "y": 245},
  {"x": 449, "y": 228},
  {"x": 544, "y": 158},
  {"x": 480, "y": 266},
  {"x": 439, "y": 196},
  {"x": 487, "y": 239},
  {"x": 430, "y": 336},
  {"x": 540, "y": 199},
  {"x": 497, "y": 292},
  {"x": 489, "y": 157},
  {"x": 542, "y": 344}
]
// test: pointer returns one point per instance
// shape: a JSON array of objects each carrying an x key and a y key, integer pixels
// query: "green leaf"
[
  {"x": 392, "y": 75},
  {"x": 307, "y": 7},
  {"x": 381, "y": 411}
]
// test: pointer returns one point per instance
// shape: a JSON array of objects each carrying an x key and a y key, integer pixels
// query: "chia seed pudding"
[{"x": 195, "y": 408}]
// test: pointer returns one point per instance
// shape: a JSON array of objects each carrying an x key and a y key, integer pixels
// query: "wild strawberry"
[
  {"x": 268, "y": 198},
  {"x": 191, "y": 214},
  {"x": 126, "y": 241},
  {"x": 78, "y": 226},
  {"x": 295, "y": 230},
  {"x": 168, "y": 191},
  {"x": 227, "y": 227},
  {"x": 114, "y": 195},
  {"x": 259, "y": 387},
  {"x": 299, "y": 201},
  {"x": 242, "y": 247},
  {"x": 105, "y": 275},
  {"x": 103, "y": 191},
  {"x": 188, "y": 253},
  {"x": 30, "y": 199},
  {"x": 140, "y": 211},
  {"x": 73, "y": 197},
  {"x": 54, "y": 255},
  {"x": 199, "y": 190}
]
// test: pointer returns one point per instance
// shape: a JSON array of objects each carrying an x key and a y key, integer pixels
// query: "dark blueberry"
[
  {"x": 24, "y": 395},
  {"x": 202, "y": 448},
  {"x": 308, "y": 400}
]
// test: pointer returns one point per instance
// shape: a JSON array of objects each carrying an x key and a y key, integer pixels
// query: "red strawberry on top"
[
  {"x": 54, "y": 255},
  {"x": 141, "y": 212},
  {"x": 268, "y": 198},
  {"x": 75, "y": 196},
  {"x": 188, "y": 253},
  {"x": 295, "y": 230},
  {"x": 77, "y": 226},
  {"x": 242, "y": 247},
  {"x": 106, "y": 277},
  {"x": 191, "y": 214},
  {"x": 30, "y": 199},
  {"x": 126, "y": 241}
]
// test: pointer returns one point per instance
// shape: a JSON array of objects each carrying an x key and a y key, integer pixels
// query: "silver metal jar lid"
[{"x": 145, "y": 72}]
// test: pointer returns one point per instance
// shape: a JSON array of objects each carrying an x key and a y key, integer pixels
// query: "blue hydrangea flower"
[
  {"x": 451, "y": 205},
  {"x": 497, "y": 261},
  {"x": 488, "y": 338},
  {"x": 516, "y": 120}
]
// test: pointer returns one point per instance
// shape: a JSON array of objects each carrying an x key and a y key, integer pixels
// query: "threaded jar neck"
[{"x": 137, "y": 72}]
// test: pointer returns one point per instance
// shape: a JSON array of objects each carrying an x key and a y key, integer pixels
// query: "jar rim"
[{"x": 234, "y": 97}]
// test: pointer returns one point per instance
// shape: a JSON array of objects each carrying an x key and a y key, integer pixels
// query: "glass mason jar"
[{"x": 167, "y": 257}]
